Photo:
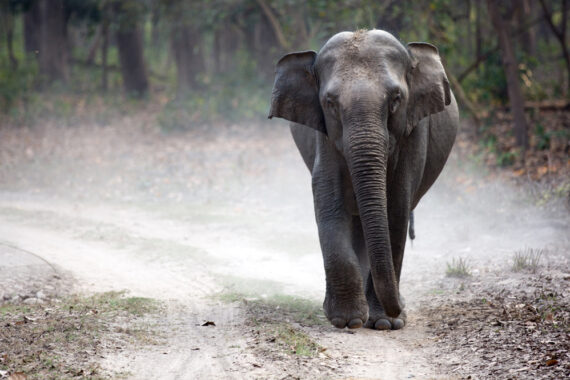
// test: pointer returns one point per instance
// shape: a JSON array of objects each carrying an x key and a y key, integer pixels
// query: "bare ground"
[{"x": 217, "y": 224}]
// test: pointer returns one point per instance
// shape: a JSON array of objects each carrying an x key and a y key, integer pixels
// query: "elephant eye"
[
  {"x": 330, "y": 103},
  {"x": 395, "y": 101}
]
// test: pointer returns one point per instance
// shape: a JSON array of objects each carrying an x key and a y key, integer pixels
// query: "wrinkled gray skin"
[{"x": 375, "y": 122}]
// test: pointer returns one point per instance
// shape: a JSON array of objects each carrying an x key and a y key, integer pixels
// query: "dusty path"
[{"x": 186, "y": 217}]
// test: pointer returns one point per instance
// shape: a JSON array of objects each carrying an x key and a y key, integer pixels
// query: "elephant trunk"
[{"x": 366, "y": 151}]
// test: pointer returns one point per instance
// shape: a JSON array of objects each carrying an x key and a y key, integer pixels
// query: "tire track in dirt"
[
  {"x": 191, "y": 351},
  {"x": 99, "y": 267}
]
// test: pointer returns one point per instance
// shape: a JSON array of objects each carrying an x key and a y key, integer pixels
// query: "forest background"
[{"x": 187, "y": 63}]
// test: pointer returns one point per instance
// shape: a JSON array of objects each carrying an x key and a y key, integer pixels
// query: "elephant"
[{"x": 375, "y": 122}]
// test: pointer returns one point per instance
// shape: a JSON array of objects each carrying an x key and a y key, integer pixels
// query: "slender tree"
[
  {"x": 52, "y": 52},
  {"x": 130, "y": 45},
  {"x": 510, "y": 67},
  {"x": 7, "y": 20},
  {"x": 32, "y": 21},
  {"x": 560, "y": 33},
  {"x": 185, "y": 43}
]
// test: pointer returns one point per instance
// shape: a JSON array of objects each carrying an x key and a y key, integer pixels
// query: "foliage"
[
  {"x": 232, "y": 96},
  {"x": 238, "y": 46},
  {"x": 16, "y": 85}
]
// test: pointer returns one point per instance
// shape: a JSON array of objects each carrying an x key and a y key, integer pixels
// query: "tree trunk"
[
  {"x": 104, "y": 50},
  {"x": 511, "y": 72},
  {"x": 263, "y": 42},
  {"x": 528, "y": 36},
  {"x": 478, "y": 34},
  {"x": 32, "y": 21},
  {"x": 560, "y": 34},
  {"x": 7, "y": 19},
  {"x": 133, "y": 69},
  {"x": 53, "y": 59},
  {"x": 226, "y": 43},
  {"x": 469, "y": 37},
  {"x": 186, "y": 50},
  {"x": 94, "y": 46}
]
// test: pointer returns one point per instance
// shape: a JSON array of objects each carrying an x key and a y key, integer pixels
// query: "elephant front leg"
[
  {"x": 398, "y": 215},
  {"x": 345, "y": 304},
  {"x": 378, "y": 318}
]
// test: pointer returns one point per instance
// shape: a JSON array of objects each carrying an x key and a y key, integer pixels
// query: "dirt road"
[{"x": 188, "y": 218}]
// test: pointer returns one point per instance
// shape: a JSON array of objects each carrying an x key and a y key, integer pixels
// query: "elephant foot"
[
  {"x": 380, "y": 321},
  {"x": 352, "y": 313}
]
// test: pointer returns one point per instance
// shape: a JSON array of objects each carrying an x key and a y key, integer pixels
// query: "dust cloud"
[
  {"x": 238, "y": 198},
  {"x": 227, "y": 210}
]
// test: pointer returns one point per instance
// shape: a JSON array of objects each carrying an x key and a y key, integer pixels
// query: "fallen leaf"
[
  {"x": 208, "y": 323},
  {"x": 551, "y": 362},
  {"x": 519, "y": 172}
]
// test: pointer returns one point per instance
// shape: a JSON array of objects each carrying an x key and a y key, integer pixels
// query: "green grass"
[
  {"x": 295, "y": 341},
  {"x": 279, "y": 306},
  {"x": 458, "y": 267},
  {"x": 272, "y": 316},
  {"x": 527, "y": 260}
]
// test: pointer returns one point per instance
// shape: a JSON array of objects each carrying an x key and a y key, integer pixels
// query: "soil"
[{"x": 217, "y": 224}]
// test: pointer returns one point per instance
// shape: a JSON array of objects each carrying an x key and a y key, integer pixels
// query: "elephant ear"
[
  {"x": 429, "y": 87},
  {"x": 295, "y": 95}
]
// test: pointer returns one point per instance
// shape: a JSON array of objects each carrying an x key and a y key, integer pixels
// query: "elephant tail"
[{"x": 411, "y": 230}]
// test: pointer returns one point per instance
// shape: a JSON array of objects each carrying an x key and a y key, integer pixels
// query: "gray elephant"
[{"x": 375, "y": 122}]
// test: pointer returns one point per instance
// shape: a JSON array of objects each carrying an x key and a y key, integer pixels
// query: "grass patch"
[
  {"x": 295, "y": 341},
  {"x": 279, "y": 307},
  {"x": 272, "y": 316},
  {"x": 63, "y": 338},
  {"x": 114, "y": 302},
  {"x": 459, "y": 267},
  {"x": 527, "y": 259}
]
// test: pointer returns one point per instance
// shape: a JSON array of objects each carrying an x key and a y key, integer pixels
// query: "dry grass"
[
  {"x": 459, "y": 267},
  {"x": 527, "y": 260},
  {"x": 62, "y": 339}
]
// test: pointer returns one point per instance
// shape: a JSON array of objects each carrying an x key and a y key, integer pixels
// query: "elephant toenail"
[
  {"x": 382, "y": 324},
  {"x": 338, "y": 322},
  {"x": 397, "y": 324},
  {"x": 355, "y": 323}
]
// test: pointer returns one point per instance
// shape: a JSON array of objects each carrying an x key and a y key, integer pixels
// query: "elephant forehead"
[{"x": 363, "y": 52}]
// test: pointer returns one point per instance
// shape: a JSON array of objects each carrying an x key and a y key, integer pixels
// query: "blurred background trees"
[{"x": 207, "y": 60}]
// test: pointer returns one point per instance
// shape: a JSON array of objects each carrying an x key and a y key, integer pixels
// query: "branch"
[
  {"x": 275, "y": 24},
  {"x": 458, "y": 90},
  {"x": 548, "y": 17},
  {"x": 486, "y": 55}
]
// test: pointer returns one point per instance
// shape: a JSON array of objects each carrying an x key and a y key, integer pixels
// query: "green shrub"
[{"x": 15, "y": 85}]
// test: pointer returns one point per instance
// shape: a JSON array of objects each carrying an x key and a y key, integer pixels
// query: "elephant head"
[{"x": 366, "y": 92}]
